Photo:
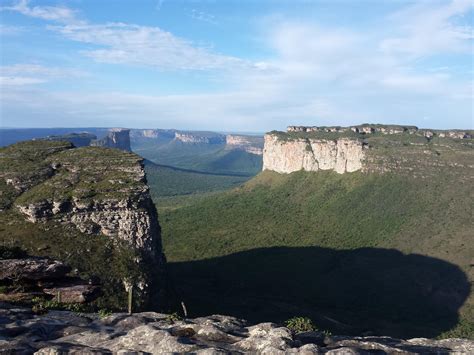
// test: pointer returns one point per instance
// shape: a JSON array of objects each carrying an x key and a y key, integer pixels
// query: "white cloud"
[
  {"x": 51, "y": 13},
  {"x": 6, "y": 81},
  {"x": 7, "y": 30},
  {"x": 316, "y": 75},
  {"x": 425, "y": 29},
  {"x": 203, "y": 16},
  {"x": 31, "y": 74},
  {"x": 147, "y": 46}
]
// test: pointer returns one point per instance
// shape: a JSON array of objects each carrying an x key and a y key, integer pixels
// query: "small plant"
[
  {"x": 104, "y": 313},
  {"x": 41, "y": 306},
  {"x": 300, "y": 324},
  {"x": 173, "y": 317}
]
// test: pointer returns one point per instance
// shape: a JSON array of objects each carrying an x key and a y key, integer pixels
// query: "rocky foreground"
[{"x": 59, "y": 332}]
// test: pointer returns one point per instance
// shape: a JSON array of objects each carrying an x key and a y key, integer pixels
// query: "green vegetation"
[
  {"x": 300, "y": 325},
  {"x": 95, "y": 256},
  {"x": 46, "y": 171},
  {"x": 104, "y": 313},
  {"x": 40, "y": 306},
  {"x": 355, "y": 252},
  {"x": 173, "y": 187},
  {"x": 212, "y": 158}
]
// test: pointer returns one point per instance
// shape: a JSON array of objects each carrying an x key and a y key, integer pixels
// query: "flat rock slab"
[
  {"x": 73, "y": 293},
  {"x": 61, "y": 332},
  {"x": 32, "y": 269}
]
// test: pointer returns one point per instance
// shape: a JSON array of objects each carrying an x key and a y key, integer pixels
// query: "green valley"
[{"x": 360, "y": 253}]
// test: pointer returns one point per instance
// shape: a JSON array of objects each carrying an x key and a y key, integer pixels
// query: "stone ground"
[{"x": 61, "y": 332}]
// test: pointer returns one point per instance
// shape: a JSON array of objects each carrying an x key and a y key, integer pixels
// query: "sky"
[{"x": 236, "y": 65}]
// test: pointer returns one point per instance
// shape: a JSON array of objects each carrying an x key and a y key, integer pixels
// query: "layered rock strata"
[
  {"x": 286, "y": 156},
  {"x": 200, "y": 138},
  {"x": 384, "y": 129},
  {"x": 95, "y": 190},
  {"x": 249, "y": 144}
]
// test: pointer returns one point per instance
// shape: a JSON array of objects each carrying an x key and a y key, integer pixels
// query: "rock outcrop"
[
  {"x": 384, "y": 129},
  {"x": 118, "y": 138},
  {"x": 61, "y": 332},
  {"x": 152, "y": 133},
  {"x": 286, "y": 156},
  {"x": 249, "y": 144},
  {"x": 200, "y": 138},
  {"x": 93, "y": 190},
  {"x": 26, "y": 278},
  {"x": 32, "y": 269},
  {"x": 369, "y": 148}
]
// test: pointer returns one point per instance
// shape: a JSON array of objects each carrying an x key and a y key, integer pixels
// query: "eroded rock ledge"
[{"x": 60, "y": 332}]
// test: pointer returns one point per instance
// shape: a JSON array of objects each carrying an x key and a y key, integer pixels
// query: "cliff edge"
[
  {"x": 84, "y": 193},
  {"x": 369, "y": 148}
]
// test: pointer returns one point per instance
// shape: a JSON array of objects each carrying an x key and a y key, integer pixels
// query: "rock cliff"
[
  {"x": 61, "y": 332},
  {"x": 249, "y": 144},
  {"x": 367, "y": 128},
  {"x": 94, "y": 190},
  {"x": 118, "y": 138},
  {"x": 286, "y": 156},
  {"x": 200, "y": 138},
  {"x": 370, "y": 148}
]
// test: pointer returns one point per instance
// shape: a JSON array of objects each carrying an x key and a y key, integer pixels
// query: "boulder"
[
  {"x": 32, "y": 269},
  {"x": 74, "y": 293}
]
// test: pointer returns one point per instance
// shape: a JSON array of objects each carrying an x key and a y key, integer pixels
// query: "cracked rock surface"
[{"x": 61, "y": 332}]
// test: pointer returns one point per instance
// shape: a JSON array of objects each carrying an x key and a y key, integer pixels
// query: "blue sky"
[{"x": 233, "y": 65}]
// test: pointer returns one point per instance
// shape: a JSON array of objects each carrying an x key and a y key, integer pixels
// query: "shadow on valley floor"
[{"x": 361, "y": 291}]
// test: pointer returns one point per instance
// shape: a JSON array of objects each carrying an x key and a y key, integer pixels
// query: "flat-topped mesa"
[
  {"x": 384, "y": 129},
  {"x": 286, "y": 156},
  {"x": 371, "y": 148},
  {"x": 249, "y": 144},
  {"x": 118, "y": 138},
  {"x": 200, "y": 138},
  {"x": 152, "y": 133}
]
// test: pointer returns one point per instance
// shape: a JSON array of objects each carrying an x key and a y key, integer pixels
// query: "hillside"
[
  {"x": 88, "y": 207},
  {"x": 379, "y": 251},
  {"x": 201, "y": 151},
  {"x": 171, "y": 187}
]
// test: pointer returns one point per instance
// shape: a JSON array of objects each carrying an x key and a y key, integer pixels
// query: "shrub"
[
  {"x": 104, "y": 313},
  {"x": 173, "y": 317},
  {"x": 300, "y": 324}
]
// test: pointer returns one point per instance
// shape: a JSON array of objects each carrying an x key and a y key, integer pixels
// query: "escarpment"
[
  {"x": 249, "y": 144},
  {"x": 370, "y": 149},
  {"x": 92, "y": 190},
  {"x": 286, "y": 156}
]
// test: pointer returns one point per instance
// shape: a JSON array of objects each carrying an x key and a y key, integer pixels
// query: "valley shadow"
[{"x": 362, "y": 291}]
